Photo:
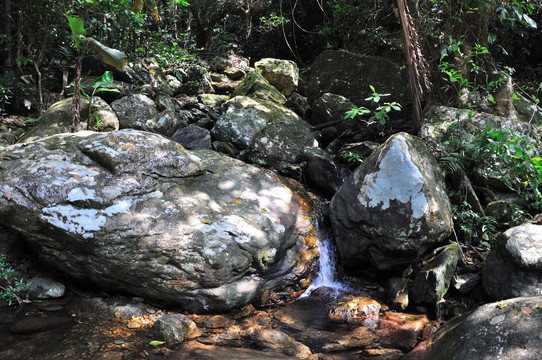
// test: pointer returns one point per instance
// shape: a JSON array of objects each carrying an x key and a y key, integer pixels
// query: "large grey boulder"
[
  {"x": 56, "y": 120},
  {"x": 508, "y": 330},
  {"x": 135, "y": 212},
  {"x": 282, "y": 74},
  {"x": 348, "y": 74},
  {"x": 134, "y": 111},
  {"x": 514, "y": 265},
  {"x": 271, "y": 133},
  {"x": 392, "y": 208},
  {"x": 257, "y": 87}
]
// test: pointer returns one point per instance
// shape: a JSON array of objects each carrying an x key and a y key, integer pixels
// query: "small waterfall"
[{"x": 327, "y": 269}]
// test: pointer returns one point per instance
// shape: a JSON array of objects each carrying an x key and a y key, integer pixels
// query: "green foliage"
[
  {"x": 108, "y": 55},
  {"x": 100, "y": 84},
  {"x": 520, "y": 153},
  {"x": 11, "y": 287},
  {"x": 517, "y": 11},
  {"x": 380, "y": 114},
  {"x": 521, "y": 167},
  {"x": 78, "y": 29},
  {"x": 272, "y": 21},
  {"x": 456, "y": 78},
  {"x": 473, "y": 226},
  {"x": 350, "y": 156}
]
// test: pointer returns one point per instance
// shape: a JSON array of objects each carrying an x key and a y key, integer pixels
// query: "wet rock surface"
[{"x": 105, "y": 203}]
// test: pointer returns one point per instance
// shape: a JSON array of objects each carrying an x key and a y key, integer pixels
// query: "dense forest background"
[{"x": 454, "y": 45}]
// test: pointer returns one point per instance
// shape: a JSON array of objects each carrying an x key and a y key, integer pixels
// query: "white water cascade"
[{"x": 327, "y": 270}]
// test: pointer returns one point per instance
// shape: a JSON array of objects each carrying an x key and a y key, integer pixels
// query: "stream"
[{"x": 88, "y": 324}]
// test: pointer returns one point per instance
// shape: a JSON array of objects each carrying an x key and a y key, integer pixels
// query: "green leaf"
[
  {"x": 78, "y": 29},
  {"x": 99, "y": 90},
  {"x": 491, "y": 99},
  {"x": 529, "y": 22},
  {"x": 109, "y": 56},
  {"x": 156, "y": 343},
  {"x": 103, "y": 81}
]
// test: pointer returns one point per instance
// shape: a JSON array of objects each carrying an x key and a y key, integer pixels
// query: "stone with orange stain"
[
  {"x": 355, "y": 309},
  {"x": 217, "y": 321},
  {"x": 400, "y": 330}
]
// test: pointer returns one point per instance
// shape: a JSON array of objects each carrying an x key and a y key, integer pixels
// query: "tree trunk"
[
  {"x": 76, "y": 102},
  {"x": 417, "y": 68}
]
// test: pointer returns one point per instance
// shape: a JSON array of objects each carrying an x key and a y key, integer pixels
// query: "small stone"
[
  {"x": 280, "y": 342},
  {"x": 45, "y": 288},
  {"x": 399, "y": 330},
  {"x": 355, "y": 309},
  {"x": 176, "y": 327},
  {"x": 217, "y": 321}
]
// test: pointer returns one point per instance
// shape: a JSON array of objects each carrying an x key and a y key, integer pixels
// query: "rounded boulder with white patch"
[
  {"x": 135, "y": 212},
  {"x": 393, "y": 208}
]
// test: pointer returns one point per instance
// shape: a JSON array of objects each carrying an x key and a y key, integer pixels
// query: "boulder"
[
  {"x": 392, "y": 208},
  {"x": 166, "y": 123},
  {"x": 509, "y": 330},
  {"x": 256, "y": 86},
  {"x": 102, "y": 118},
  {"x": 175, "y": 328},
  {"x": 348, "y": 74},
  {"x": 164, "y": 102},
  {"x": 322, "y": 172},
  {"x": 45, "y": 288},
  {"x": 298, "y": 103},
  {"x": 282, "y": 74},
  {"x": 448, "y": 129},
  {"x": 433, "y": 280},
  {"x": 134, "y": 111},
  {"x": 193, "y": 137},
  {"x": 269, "y": 132},
  {"x": 56, "y": 120},
  {"x": 329, "y": 107},
  {"x": 514, "y": 265},
  {"x": 135, "y": 212}
]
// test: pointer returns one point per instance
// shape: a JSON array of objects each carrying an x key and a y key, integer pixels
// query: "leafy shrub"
[{"x": 11, "y": 287}]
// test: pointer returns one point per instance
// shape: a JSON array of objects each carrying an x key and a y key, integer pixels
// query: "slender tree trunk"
[
  {"x": 416, "y": 65},
  {"x": 76, "y": 102}
]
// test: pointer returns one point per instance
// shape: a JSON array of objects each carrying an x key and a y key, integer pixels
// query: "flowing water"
[{"x": 327, "y": 269}]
